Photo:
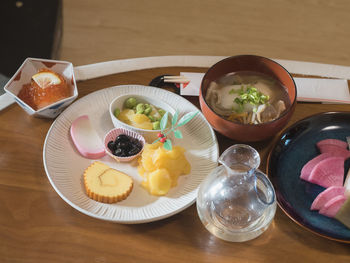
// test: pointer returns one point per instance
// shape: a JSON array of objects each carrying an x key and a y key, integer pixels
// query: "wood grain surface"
[
  {"x": 36, "y": 225},
  {"x": 310, "y": 30}
]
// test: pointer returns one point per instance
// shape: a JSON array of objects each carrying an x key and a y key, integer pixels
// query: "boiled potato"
[
  {"x": 159, "y": 182},
  {"x": 155, "y": 160}
]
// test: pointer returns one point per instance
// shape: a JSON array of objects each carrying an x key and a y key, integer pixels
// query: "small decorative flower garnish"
[{"x": 162, "y": 137}]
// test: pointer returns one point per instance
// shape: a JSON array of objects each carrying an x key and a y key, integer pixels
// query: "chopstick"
[{"x": 176, "y": 79}]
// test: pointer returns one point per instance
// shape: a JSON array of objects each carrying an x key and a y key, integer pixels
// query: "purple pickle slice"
[
  {"x": 331, "y": 208},
  {"x": 335, "y": 142},
  {"x": 307, "y": 168},
  {"x": 335, "y": 150},
  {"x": 327, "y": 195},
  {"x": 328, "y": 172}
]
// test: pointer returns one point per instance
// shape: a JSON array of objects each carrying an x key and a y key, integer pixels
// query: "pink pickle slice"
[
  {"x": 85, "y": 138},
  {"x": 328, "y": 172},
  {"x": 331, "y": 208},
  {"x": 334, "y": 149},
  {"x": 327, "y": 195},
  {"x": 335, "y": 142},
  {"x": 307, "y": 168}
]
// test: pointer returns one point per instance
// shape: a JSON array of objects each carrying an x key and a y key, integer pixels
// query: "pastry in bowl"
[
  {"x": 46, "y": 87},
  {"x": 43, "y": 87}
]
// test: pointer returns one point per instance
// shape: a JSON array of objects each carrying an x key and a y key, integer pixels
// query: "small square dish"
[{"x": 31, "y": 67}]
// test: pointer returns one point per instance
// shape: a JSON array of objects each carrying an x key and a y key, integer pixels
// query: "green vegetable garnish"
[
  {"x": 148, "y": 109},
  {"x": 161, "y": 112},
  {"x": 151, "y": 118},
  {"x": 130, "y": 103},
  {"x": 237, "y": 91},
  {"x": 251, "y": 95},
  {"x": 116, "y": 112},
  {"x": 156, "y": 125},
  {"x": 140, "y": 108}
]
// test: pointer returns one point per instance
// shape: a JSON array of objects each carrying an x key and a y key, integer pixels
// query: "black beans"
[
  {"x": 124, "y": 146},
  {"x": 111, "y": 145}
]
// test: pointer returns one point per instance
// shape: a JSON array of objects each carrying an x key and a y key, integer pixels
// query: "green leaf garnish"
[
  {"x": 178, "y": 134},
  {"x": 164, "y": 121},
  {"x": 174, "y": 120},
  {"x": 186, "y": 118},
  {"x": 167, "y": 145}
]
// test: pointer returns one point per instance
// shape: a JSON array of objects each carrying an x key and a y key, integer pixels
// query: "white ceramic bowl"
[
  {"x": 23, "y": 76},
  {"x": 118, "y": 102}
]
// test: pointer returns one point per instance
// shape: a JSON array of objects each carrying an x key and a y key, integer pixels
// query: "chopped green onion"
[{"x": 250, "y": 95}]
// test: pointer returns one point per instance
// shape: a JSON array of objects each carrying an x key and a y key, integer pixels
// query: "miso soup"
[{"x": 248, "y": 97}]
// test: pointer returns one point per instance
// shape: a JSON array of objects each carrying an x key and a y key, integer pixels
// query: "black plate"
[{"x": 295, "y": 147}]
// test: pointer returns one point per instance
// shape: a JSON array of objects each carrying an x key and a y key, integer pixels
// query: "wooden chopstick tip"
[{"x": 175, "y": 79}]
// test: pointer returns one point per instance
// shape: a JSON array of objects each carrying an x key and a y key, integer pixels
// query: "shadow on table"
[{"x": 300, "y": 235}]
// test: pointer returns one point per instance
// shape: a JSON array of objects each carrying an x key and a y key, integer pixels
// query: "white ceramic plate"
[{"x": 64, "y": 166}]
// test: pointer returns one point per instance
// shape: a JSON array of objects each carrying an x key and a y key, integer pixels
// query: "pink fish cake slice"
[
  {"x": 335, "y": 142},
  {"x": 86, "y": 139},
  {"x": 334, "y": 149},
  {"x": 307, "y": 168},
  {"x": 327, "y": 195},
  {"x": 332, "y": 207},
  {"x": 328, "y": 172}
]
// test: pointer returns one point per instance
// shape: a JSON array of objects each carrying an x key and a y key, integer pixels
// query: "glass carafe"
[{"x": 237, "y": 202}]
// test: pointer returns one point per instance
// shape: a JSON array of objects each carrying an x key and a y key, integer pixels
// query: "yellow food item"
[
  {"x": 161, "y": 168},
  {"x": 142, "y": 121},
  {"x": 159, "y": 182},
  {"x": 136, "y": 120},
  {"x": 126, "y": 116},
  {"x": 106, "y": 185},
  {"x": 140, "y": 118},
  {"x": 46, "y": 78}
]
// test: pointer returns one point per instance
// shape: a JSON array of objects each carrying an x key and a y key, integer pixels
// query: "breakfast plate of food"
[
  {"x": 73, "y": 164},
  {"x": 309, "y": 167}
]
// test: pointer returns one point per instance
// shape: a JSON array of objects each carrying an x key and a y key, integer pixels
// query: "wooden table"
[
  {"x": 309, "y": 30},
  {"x": 36, "y": 225}
]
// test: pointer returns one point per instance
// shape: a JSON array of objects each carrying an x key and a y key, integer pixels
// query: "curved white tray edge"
[
  {"x": 124, "y": 65},
  {"x": 101, "y": 69}
]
